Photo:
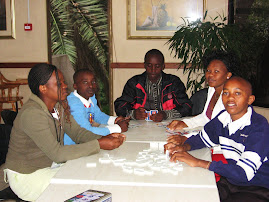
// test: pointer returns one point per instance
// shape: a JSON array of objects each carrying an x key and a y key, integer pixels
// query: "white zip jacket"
[{"x": 202, "y": 119}]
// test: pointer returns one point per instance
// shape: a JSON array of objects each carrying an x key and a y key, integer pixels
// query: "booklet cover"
[{"x": 92, "y": 195}]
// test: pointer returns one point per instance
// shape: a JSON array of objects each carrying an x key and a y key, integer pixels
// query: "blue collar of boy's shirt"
[
  {"x": 233, "y": 126},
  {"x": 87, "y": 103}
]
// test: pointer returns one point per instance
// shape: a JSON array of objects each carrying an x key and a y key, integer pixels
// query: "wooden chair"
[
  {"x": 4, "y": 80},
  {"x": 9, "y": 93}
]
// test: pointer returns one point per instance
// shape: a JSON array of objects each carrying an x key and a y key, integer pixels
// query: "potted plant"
[{"x": 195, "y": 39}]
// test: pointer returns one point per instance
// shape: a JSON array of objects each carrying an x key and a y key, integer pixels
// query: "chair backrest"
[
  {"x": 3, "y": 79},
  {"x": 5, "y": 131},
  {"x": 198, "y": 100},
  {"x": 6, "y": 90},
  {"x": 8, "y": 116}
]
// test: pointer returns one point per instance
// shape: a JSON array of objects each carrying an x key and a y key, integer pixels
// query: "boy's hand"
[
  {"x": 109, "y": 142},
  {"x": 168, "y": 146},
  {"x": 123, "y": 125},
  {"x": 172, "y": 148},
  {"x": 161, "y": 115},
  {"x": 189, "y": 159},
  {"x": 119, "y": 118},
  {"x": 140, "y": 113},
  {"x": 186, "y": 158},
  {"x": 177, "y": 139},
  {"x": 177, "y": 125}
]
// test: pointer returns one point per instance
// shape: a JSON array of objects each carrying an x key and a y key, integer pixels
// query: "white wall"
[
  {"x": 28, "y": 46},
  {"x": 133, "y": 50},
  {"x": 125, "y": 50},
  {"x": 262, "y": 111}
]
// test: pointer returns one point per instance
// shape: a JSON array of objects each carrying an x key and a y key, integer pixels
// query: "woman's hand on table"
[
  {"x": 110, "y": 142},
  {"x": 177, "y": 139},
  {"x": 177, "y": 125}
]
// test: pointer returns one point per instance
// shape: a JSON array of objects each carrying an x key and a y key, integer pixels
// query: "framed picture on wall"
[
  {"x": 7, "y": 19},
  {"x": 155, "y": 19}
]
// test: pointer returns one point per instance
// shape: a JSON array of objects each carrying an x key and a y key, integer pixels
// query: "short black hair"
[
  {"x": 39, "y": 75},
  {"x": 154, "y": 52},
  {"x": 79, "y": 72},
  {"x": 229, "y": 60},
  {"x": 247, "y": 83}
]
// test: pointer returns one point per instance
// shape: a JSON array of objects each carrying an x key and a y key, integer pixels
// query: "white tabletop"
[
  {"x": 61, "y": 192},
  {"x": 191, "y": 184},
  {"x": 149, "y": 131},
  {"x": 146, "y": 131}
]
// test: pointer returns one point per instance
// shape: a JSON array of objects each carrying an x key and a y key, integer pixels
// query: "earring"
[{"x": 228, "y": 77}]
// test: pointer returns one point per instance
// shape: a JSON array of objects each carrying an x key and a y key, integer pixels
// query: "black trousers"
[{"x": 233, "y": 193}]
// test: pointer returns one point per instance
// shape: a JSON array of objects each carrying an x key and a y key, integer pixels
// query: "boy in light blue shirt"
[{"x": 84, "y": 108}]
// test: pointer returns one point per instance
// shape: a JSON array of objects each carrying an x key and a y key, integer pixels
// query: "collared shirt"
[
  {"x": 239, "y": 124},
  {"x": 87, "y": 103},
  {"x": 55, "y": 114},
  {"x": 153, "y": 91},
  {"x": 243, "y": 143}
]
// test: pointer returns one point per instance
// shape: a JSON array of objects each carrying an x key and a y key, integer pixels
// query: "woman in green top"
[{"x": 36, "y": 143}]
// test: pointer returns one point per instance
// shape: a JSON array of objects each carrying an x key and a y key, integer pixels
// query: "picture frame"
[
  {"x": 7, "y": 19},
  {"x": 159, "y": 19}
]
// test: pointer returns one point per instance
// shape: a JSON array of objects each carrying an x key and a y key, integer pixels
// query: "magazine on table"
[{"x": 92, "y": 195}]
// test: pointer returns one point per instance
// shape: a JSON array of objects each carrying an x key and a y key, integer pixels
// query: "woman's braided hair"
[{"x": 39, "y": 75}]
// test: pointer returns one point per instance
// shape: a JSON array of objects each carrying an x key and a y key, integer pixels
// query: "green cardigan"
[{"x": 33, "y": 142}]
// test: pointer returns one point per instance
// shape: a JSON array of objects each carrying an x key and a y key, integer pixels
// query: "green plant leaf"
[
  {"x": 195, "y": 39},
  {"x": 61, "y": 31}
]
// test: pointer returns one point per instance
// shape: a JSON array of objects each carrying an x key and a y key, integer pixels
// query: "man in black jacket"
[{"x": 153, "y": 90}]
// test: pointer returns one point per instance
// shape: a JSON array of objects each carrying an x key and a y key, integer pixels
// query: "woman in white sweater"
[{"x": 220, "y": 66}]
